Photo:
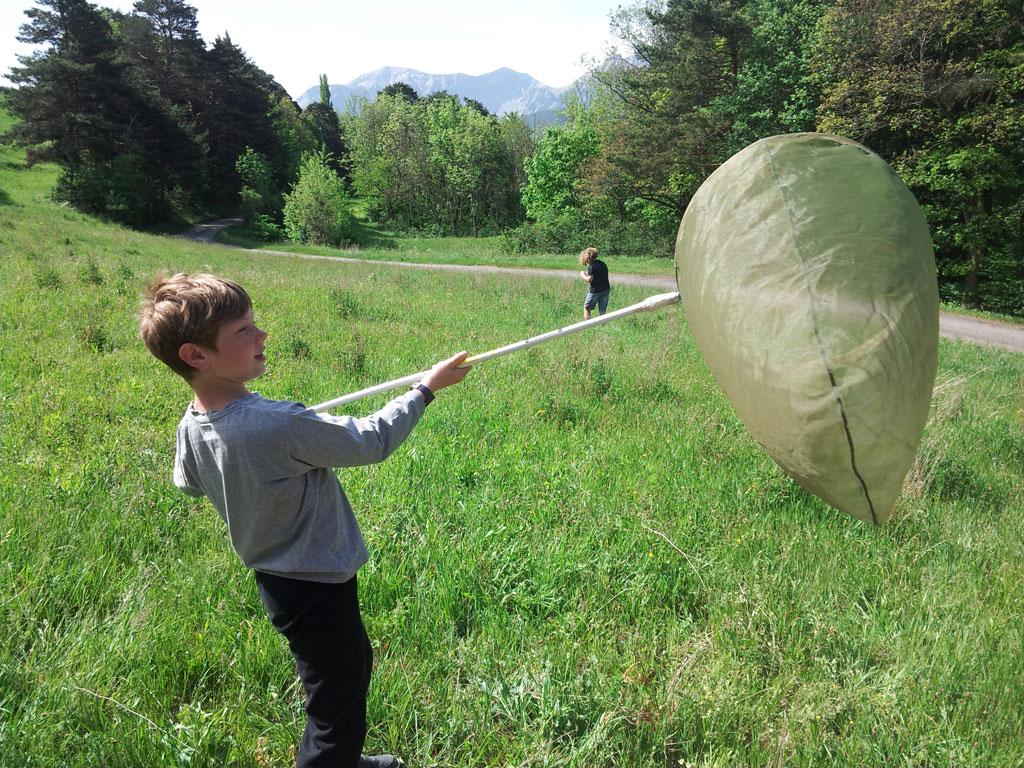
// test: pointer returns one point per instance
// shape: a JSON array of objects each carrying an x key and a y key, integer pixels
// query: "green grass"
[
  {"x": 579, "y": 558},
  {"x": 982, "y": 314},
  {"x": 385, "y": 246}
]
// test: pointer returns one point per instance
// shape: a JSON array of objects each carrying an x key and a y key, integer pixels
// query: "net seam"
[{"x": 817, "y": 336}]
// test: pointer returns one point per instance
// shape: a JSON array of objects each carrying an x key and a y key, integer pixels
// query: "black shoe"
[{"x": 380, "y": 761}]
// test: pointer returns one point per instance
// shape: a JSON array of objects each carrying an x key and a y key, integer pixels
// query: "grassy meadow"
[{"x": 579, "y": 558}]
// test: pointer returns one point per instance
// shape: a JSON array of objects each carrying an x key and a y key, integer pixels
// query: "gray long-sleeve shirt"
[{"x": 266, "y": 466}]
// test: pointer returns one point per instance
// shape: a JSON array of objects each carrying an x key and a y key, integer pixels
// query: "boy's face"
[{"x": 239, "y": 356}]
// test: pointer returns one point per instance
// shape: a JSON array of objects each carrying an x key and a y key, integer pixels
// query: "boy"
[
  {"x": 596, "y": 273},
  {"x": 265, "y": 465}
]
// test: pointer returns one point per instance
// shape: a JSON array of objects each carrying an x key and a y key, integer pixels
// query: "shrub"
[
  {"x": 256, "y": 196},
  {"x": 572, "y": 230},
  {"x": 95, "y": 337},
  {"x": 48, "y": 278},
  {"x": 90, "y": 273},
  {"x": 121, "y": 190},
  {"x": 345, "y": 303},
  {"x": 521, "y": 239},
  {"x": 317, "y": 210},
  {"x": 263, "y": 228},
  {"x": 600, "y": 378},
  {"x": 125, "y": 279},
  {"x": 298, "y": 347}
]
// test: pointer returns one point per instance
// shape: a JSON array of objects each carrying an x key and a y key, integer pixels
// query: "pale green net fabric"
[{"x": 807, "y": 273}]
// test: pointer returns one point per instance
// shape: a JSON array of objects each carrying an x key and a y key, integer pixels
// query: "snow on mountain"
[{"x": 501, "y": 91}]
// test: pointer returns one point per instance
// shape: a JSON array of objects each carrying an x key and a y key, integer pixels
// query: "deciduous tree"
[
  {"x": 937, "y": 87},
  {"x": 317, "y": 210}
]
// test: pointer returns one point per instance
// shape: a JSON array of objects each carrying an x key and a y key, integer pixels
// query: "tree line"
[
  {"x": 936, "y": 87},
  {"x": 150, "y": 125},
  {"x": 148, "y": 122},
  {"x": 439, "y": 164}
]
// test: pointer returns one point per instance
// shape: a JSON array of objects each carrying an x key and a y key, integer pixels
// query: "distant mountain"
[{"x": 501, "y": 91}]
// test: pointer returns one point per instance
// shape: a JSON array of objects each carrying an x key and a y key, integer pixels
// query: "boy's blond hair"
[
  {"x": 188, "y": 309},
  {"x": 587, "y": 255}
]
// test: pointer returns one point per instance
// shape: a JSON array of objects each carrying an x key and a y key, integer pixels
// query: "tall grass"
[{"x": 579, "y": 558}]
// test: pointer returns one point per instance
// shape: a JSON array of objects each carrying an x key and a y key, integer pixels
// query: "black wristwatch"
[{"x": 428, "y": 396}]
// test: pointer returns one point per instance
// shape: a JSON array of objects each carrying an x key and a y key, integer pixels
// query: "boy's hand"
[{"x": 446, "y": 373}]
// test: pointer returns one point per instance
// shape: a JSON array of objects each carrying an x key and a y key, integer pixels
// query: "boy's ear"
[{"x": 194, "y": 355}]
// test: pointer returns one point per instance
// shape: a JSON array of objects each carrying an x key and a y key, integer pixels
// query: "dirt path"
[
  {"x": 989, "y": 333},
  {"x": 204, "y": 233}
]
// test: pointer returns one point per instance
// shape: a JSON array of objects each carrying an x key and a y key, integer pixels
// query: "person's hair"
[
  {"x": 188, "y": 309},
  {"x": 587, "y": 255}
]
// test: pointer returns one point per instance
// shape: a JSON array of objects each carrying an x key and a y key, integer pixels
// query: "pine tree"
[
  {"x": 69, "y": 97},
  {"x": 239, "y": 97},
  {"x": 174, "y": 50},
  {"x": 118, "y": 150}
]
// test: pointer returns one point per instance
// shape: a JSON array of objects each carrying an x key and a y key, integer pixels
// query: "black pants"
[{"x": 333, "y": 657}]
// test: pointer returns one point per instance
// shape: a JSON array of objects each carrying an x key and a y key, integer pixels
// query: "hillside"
[{"x": 578, "y": 558}]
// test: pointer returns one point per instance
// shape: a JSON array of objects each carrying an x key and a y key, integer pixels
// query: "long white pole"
[{"x": 653, "y": 302}]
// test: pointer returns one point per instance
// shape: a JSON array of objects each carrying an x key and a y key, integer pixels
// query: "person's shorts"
[{"x": 599, "y": 300}]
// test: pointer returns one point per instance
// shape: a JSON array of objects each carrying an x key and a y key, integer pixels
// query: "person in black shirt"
[{"x": 596, "y": 274}]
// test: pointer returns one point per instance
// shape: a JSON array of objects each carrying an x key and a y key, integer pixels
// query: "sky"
[{"x": 297, "y": 40}]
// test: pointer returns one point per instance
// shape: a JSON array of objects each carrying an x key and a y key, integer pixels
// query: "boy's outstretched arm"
[{"x": 322, "y": 440}]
